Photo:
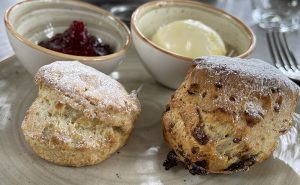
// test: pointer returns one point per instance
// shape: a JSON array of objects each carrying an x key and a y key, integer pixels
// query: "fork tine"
[
  {"x": 289, "y": 54},
  {"x": 274, "y": 54},
  {"x": 281, "y": 52},
  {"x": 282, "y": 56}
]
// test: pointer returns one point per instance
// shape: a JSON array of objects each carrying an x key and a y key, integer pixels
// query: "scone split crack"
[
  {"x": 229, "y": 113},
  {"x": 80, "y": 117}
]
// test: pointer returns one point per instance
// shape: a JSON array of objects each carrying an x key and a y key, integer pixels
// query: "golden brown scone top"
[
  {"x": 86, "y": 89},
  {"x": 228, "y": 114},
  {"x": 235, "y": 80}
]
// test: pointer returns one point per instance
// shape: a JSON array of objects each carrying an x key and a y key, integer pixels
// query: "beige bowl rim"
[
  {"x": 67, "y": 56},
  {"x": 210, "y": 8}
]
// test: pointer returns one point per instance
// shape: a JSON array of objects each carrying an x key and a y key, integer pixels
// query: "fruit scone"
[
  {"x": 228, "y": 114},
  {"x": 80, "y": 117}
]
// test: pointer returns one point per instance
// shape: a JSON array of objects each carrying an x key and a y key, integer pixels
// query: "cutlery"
[{"x": 282, "y": 55}]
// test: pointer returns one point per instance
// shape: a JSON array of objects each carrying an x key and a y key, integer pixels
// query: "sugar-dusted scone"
[
  {"x": 228, "y": 115},
  {"x": 80, "y": 117}
]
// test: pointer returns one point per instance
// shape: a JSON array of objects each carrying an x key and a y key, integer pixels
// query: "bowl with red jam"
[{"x": 44, "y": 31}]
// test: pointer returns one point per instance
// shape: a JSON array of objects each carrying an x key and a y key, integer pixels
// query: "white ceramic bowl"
[
  {"x": 170, "y": 68},
  {"x": 31, "y": 21}
]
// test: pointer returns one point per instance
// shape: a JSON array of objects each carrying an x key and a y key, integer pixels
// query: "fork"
[{"x": 282, "y": 56}]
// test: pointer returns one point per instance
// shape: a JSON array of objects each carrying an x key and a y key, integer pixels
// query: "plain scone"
[
  {"x": 227, "y": 115},
  {"x": 80, "y": 117}
]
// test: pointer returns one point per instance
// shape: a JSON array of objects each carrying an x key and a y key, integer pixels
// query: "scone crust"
[
  {"x": 228, "y": 114},
  {"x": 86, "y": 89},
  {"x": 81, "y": 116}
]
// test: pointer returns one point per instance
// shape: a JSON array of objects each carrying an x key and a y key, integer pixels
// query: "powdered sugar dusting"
[
  {"x": 86, "y": 88},
  {"x": 240, "y": 81},
  {"x": 260, "y": 71}
]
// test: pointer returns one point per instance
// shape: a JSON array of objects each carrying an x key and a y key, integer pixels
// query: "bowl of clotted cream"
[{"x": 169, "y": 35}]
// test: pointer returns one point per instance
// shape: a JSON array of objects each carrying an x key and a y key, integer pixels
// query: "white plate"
[{"x": 140, "y": 161}]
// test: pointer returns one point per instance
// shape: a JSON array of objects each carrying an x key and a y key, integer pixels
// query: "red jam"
[{"x": 76, "y": 40}]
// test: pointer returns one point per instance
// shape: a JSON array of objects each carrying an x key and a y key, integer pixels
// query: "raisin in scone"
[
  {"x": 80, "y": 117},
  {"x": 228, "y": 115}
]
